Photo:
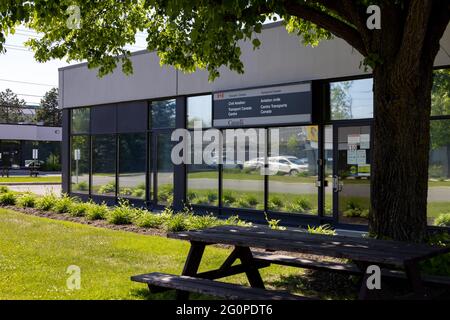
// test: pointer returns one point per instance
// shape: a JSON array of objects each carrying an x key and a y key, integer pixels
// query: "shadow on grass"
[{"x": 320, "y": 284}]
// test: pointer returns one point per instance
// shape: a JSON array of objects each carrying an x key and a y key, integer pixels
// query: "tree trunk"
[{"x": 401, "y": 141}]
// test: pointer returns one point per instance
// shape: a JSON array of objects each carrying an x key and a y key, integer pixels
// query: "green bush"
[
  {"x": 63, "y": 204},
  {"x": 78, "y": 209},
  {"x": 251, "y": 200},
  {"x": 443, "y": 220},
  {"x": 165, "y": 193},
  {"x": 299, "y": 205},
  {"x": 150, "y": 220},
  {"x": 235, "y": 221},
  {"x": 439, "y": 265},
  {"x": 228, "y": 197},
  {"x": 276, "y": 201},
  {"x": 126, "y": 191},
  {"x": 121, "y": 214},
  {"x": 46, "y": 202},
  {"x": 82, "y": 186},
  {"x": 176, "y": 223},
  {"x": 322, "y": 229},
  {"x": 4, "y": 189},
  {"x": 202, "y": 222},
  {"x": 96, "y": 211},
  {"x": 212, "y": 196},
  {"x": 191, "y": 195},
  {"x": 7, "y": 199},
  {"x": 200, "y": 200},
  {"x": 138, "y": 193},
  {"x": 107, "y": 188},
  {"x": 242, "y": 203},
  {"x": 27, "y": 200}
]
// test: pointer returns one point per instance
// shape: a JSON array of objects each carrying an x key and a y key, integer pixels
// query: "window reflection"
[
  {"x": 164, "y": 169},
  {"x": 80, "y": 120},
  {"x": 294, "y": 171},
  {"x": 351, "y": 99},
  {"x": 80, "y": 164},
  {"x": 162, "y": 114},
  {"x": 132, "y": 162},
  {"x": 104, "y": 165},
  {"x": 199, "y": 109}
]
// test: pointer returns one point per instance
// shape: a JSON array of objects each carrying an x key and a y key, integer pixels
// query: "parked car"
[
  {"x": 287, "y": 164},
  {"x": 234, "y": 165},
  {"x": 33, "y": 163},
  {"x": 254, "y": 164}
]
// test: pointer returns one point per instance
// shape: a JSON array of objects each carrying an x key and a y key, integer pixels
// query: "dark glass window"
[
  {"x": 440, "y": 95},
  {"x": 104, "y": 165},
  {"x": 132, "y": 165},
  {"x": 351, "y": 99},
  {"x": 243, "y": 181},
  {"x": 10, "y": 153},
  {"x": 202, "y": 180},
  {"x": 80, "y": 120},
  {"x": 199, "y": 109},
  {"x": 162, "y": 114},
  {"x": 439, "y": 174},
  {"x": 164, "y": 169},
  {"x": 294, "y": 170},
  {"x": 79, "y": 156}
]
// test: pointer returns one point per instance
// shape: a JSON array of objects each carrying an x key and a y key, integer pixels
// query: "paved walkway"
[{"x": 37, "y": 189}]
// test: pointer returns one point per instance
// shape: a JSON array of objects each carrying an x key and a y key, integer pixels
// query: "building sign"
[{"x": 263, "y": 106}]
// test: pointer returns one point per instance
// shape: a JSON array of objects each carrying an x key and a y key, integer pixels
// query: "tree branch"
[{"x": 323, "y": 20}]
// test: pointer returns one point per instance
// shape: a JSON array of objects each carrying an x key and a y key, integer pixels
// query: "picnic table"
[{"x": 398, "y": 259}]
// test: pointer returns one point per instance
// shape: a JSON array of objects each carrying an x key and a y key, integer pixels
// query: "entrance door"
[{"x": 351, "y": 174}]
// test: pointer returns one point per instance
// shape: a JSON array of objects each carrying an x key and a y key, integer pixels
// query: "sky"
[{"x": 29, "y": 78}]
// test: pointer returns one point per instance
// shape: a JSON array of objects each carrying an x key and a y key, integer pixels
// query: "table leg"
[
  {"x": 191, "y": 266},
  {"x": 252, "y": 272},
  {"x": 415, "y": 280}
]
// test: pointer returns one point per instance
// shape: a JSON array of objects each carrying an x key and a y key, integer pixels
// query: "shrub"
[
  {"x": 46, "y": 202},
  {"x": 212, "y": 196},
  {"x": 176, "y": 223},
  {"x": 191, "y": 195},
  {"x": 251, "y": 200},
  {"x": 150, "y": 220},
  {"x": 4, "y": 189},
  {"x": 126, "y": 191},
  {"x": 200, "y": 200},
  {"x": 202, "y": 222},
  {"x": 138, "y": 193},
  {"x": 242, "y": 203},
  {"x": 235, "y": 221},
  {"x": 273, "y": 223},
  {"x": 443, "y": 220},
  {"x": 107, "y": 188},
  {"x": 27, "y": 200},
  {"x": 165, "y": 193},
  {"x": 322, "y": 229},
  {"x": 121, "y": 214},
  {"x": 299, "y": 205},
  {"x": 276, "y": 201},
  {"x": 82, "y": 186},
  {"x": 439, "y": 265},
  {"x": 7, "y": 199},
  {"x": 96, "y": 211},
  {"x": 228, "y": 197},
  {"x": 78, "y": 209},
  {"x": 63, "y": 204}
]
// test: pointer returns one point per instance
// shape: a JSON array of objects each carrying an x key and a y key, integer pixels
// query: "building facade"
[{"x": 117, "y": 134}]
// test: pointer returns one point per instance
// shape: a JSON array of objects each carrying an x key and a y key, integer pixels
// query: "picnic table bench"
[{"x": 397, "y": 259}]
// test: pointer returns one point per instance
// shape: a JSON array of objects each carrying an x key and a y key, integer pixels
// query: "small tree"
[
  {"x": 49, "y": 112},
  {"x": 11, "y": 107}
]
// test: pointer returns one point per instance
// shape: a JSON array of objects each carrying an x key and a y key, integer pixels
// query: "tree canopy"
[
  {"x": 48, "y": 112},
  {"x": 11, "y": 107},
  {"x": 206, "y": 33}
]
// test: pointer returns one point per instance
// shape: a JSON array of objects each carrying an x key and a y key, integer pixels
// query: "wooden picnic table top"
[{"x": 367, "y": 250}]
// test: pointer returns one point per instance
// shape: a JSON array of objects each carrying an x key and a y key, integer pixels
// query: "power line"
[{"x": 26, "y": 82}]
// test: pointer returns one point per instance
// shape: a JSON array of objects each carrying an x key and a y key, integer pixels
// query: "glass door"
[{"x": 351, "y": 174}]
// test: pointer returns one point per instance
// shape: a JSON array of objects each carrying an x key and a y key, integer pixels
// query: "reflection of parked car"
[
  {"x": 254, "y": 164},
  {"x": 287, "y": 164},
  {"x": 33, "y": 163},
  {"x": 235, "y": 165}
]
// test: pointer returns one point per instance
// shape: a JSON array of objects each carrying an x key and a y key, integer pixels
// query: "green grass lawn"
[
  {"x": 35, "y": 253},
  {"x": 25, "y": 179}
]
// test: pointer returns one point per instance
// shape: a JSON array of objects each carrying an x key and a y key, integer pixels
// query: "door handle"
[{"x": 337, "y": 184}]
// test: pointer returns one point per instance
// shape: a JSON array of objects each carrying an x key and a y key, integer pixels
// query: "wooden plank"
[
  {"x": 335, "y": 246},
  {"x": 399, "y": 246},
  {"x": 334, "y": 250},
  {"x": 347, "y": 268},
  {"x": 213, "y": 288}
]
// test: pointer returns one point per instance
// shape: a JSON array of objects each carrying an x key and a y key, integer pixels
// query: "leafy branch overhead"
[{"x": 206, "y": 33}]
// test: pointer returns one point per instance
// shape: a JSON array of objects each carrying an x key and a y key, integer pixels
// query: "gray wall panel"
[{"x": 281, "y": 59}]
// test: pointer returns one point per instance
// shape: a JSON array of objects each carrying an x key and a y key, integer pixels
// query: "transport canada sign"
[{"x": 263, "y": 106}]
